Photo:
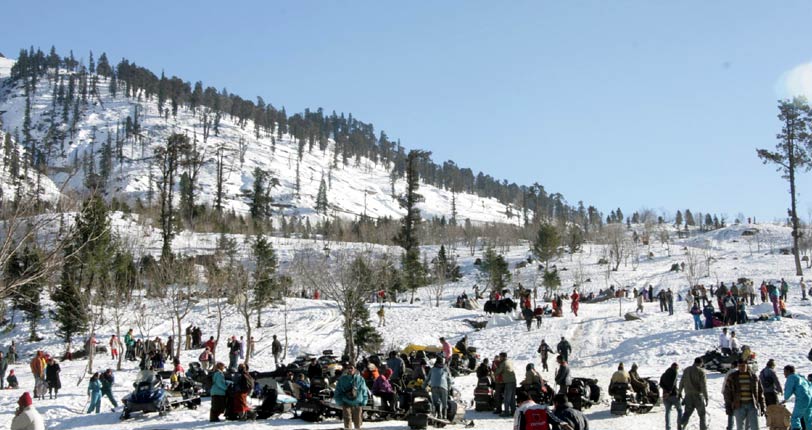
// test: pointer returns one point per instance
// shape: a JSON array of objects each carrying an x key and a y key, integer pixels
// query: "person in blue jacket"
[
  {"x": 94, "y": 389},
  {"x": 219, "y": 385},
  {"x": 798, "y": 386},
  {"x": 343, "y": 397}
]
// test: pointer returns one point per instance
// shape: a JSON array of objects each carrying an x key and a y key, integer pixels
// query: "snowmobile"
[
  {"x": 714, "y": 360},
  {"x": 419, "y": 414},
  {"x": 625, "y": 399},
  {"x": 583, "y": 393},
  {"x": 148, "y": 395},
  {"x": 542, "y": 395},
  {"x": 318, "y": 404},
  {"x": 483, "y": 395}
]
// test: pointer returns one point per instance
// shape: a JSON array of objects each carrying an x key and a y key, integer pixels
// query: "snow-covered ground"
[{"x": 600, "y": 336}]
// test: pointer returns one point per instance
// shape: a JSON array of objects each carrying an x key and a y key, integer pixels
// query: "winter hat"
[
  {"x": 674, "y": 365},
  {"x": 11, "y": 372},
  {"x": 25, "y": 400},
  {"x": 371, "y": 367}
]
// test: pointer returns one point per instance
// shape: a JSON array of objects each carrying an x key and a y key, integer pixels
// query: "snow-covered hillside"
[
  {"x": 362, "y": 187},
  {"x": 600, "y": 336}
]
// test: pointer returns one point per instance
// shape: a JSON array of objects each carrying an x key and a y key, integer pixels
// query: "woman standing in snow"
[
  {"x": 94, "y": 391},
  {"x": 52, "y": 378}
]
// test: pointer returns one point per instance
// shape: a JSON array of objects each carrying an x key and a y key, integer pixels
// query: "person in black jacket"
[
  {"x": 52, "y": 378},
  {"x": 314, "y": 370},
  {"x": 668, "y": 382},
  {"x": 564, "y": 413}
]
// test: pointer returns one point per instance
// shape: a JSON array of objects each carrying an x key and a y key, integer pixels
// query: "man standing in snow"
[
  {"x": 276, "y": 350},
  {"x": 505, "y": 370},
  {"x": 565, "y": 414},
  {"x": 744, "y": 397},
  {"x": 668, "y": 382},
  {"x": 234, "y": 347},
  {"x": 562, "y": 375},
  {"x": 669, "y": 297},
  {"x": 770, "y": 383},
  {"x": 639, "y": 303},
  {"x": 563, "y": 348},
  {"x": 694, "y": 384}
]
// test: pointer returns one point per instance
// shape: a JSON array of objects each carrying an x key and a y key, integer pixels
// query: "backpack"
[{"x": 535, "y": 418}]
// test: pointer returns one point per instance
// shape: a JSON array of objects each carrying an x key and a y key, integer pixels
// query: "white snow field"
[{"x": 600, "y": 337}]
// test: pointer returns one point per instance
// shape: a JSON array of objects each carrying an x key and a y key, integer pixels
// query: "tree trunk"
[
  {"x": 794, "y": 214},
  {"x": 118, "y": 338}
]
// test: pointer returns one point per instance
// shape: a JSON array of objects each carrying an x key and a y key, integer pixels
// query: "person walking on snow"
[
  {"x": 694, "y": 385},
  {"x": 668, "y": 383},
  {"x": 381, "y": 317},
  {"x": 564, "y": 349},
  {"x": 639, "y": 304},
  {"x": 799, "y": 387},
  {"x": 576, "y": 298},
  {"x": 544, "y": 350},
  {"x": 107, "y": 381}
]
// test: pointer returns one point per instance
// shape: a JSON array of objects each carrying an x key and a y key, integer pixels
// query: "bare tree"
[
  {"x": 179, "y": 295},
  {"x": 617, "y": 242},
  {"x": 344, "y": 278},
  {"x": 694, "y": 267}
]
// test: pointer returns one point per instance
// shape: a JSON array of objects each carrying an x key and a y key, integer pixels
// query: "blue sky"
[{"x": 625, "y": 104}]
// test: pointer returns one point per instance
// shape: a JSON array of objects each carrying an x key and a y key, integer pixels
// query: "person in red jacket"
[{"x": 576, "y": 300}]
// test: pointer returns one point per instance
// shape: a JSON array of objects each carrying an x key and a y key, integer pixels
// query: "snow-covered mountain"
[{"x": 361, "y": 187}]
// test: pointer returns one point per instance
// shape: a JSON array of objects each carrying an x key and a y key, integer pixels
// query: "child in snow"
[{"x": 11, "y": 379}]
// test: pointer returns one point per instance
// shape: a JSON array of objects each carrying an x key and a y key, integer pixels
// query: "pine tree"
[
  {"x": 497, "y": 269},
  {"x": 321, "y": 197},
  {"x": 678, "y": 220},
  {"x": 792, "y": 154},
  {"x": 689, "y": 218},
  {"x": 21, "y": 265},
  {"x": 168, "y": 158},
  {"x": 259, "y": 197},
  {"x": 265, "y": 263},
  {"x": 545, "y": 245},
  {"x": 407, "y": 237}
]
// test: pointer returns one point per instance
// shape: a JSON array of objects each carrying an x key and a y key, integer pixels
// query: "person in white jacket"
[
  {"x": 724, "y": 342},
  {"x": 26, "y": 417}
]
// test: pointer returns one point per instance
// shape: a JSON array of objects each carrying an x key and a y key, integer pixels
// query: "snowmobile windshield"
[{"x": 145, "y": 377}]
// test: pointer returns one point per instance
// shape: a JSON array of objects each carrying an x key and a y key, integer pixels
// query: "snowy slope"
[
  {"x": 600, "y": 337},
  {"x": 355, "y": 189}
]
